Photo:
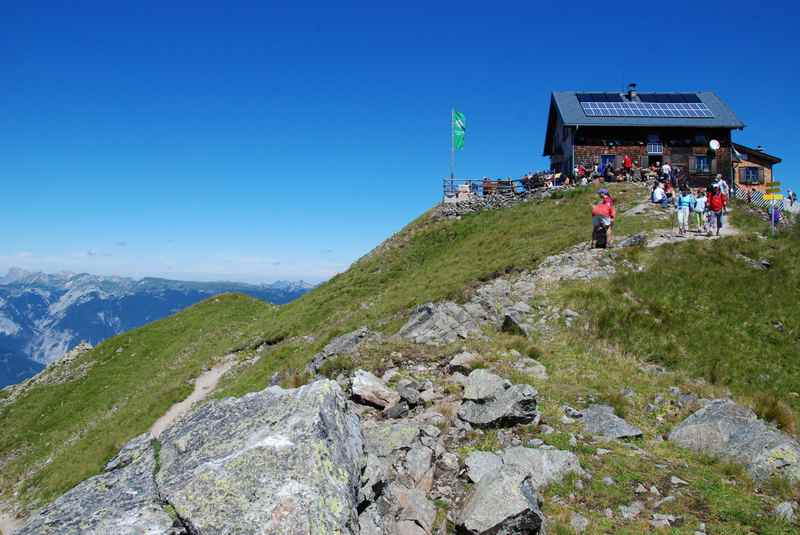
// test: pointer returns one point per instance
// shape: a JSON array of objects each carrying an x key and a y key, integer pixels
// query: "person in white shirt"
[
  {"x": 659, "y": 196},
  {"x": 700, "y": 211},
  {"x": 666, "y": 171}
]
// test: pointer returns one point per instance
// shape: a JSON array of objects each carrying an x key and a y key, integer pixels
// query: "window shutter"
[
  {"x": 714, "y": 165},
  {"x": 644, "y": 161},
  {"x": 692, "y": 164},
  {"x": 741, "y": 175},
  {"x": 760, "y": 175}
]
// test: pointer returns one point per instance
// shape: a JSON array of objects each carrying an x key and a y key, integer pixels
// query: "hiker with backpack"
[
  {"x": 716, "y": 203},
  {"x": 684, "y": 205},
  {"x": 603, "y": 215}
]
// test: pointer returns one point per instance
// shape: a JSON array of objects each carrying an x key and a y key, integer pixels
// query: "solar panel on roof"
[
  {"x": 689, "y": 98},
  {"x": 647, "y": 109},
  {"x": 599, "y": 97}
]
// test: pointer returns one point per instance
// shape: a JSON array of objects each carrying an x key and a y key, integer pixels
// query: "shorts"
[{"x": 598, "y": 220}]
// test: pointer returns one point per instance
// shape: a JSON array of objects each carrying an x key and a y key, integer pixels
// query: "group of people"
[
  {"x": 629, "y": 171},
  {"x": 706, "y": 207}
]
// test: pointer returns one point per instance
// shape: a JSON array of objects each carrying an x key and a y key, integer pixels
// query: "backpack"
[{"x": 600, "y": 237}]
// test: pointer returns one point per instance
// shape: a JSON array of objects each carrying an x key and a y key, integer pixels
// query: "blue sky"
[{"x": 251, "y": 141}]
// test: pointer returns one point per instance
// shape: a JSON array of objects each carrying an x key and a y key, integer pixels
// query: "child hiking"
[{"x": 684, "y": 205}]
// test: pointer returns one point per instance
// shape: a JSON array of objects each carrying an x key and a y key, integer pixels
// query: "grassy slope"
[
  {"x": 699, "y": 307},
  {"x": 133, "y": 378},
  {"x": 429, "y": 261},
  {"x": 125, "y": 393}
]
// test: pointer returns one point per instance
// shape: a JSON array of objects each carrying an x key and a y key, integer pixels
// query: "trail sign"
[
  {"x": 773, "y": 197},
  {"x": 775, "y": 183}
]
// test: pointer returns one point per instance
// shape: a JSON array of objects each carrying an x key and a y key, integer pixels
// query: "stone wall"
[{"x": 454, "y": 207}]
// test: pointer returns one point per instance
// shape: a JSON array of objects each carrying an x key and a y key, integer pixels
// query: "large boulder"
[
  {"x": 502, "y": 503},
  {"x": 275, "y": 461},
  {"x": 490, "y": 401},
  {"x": 601, "y": 420},
  {"x": 370, "y": 390},
  {"x": 122, "y": 500},
  {"x": 724, "y": 428},
  {"x": 439, "y": 323}
]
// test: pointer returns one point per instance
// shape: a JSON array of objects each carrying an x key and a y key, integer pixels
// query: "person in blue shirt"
[{"x": 684, "y": 204}]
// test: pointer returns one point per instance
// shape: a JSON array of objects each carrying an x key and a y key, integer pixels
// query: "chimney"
[
  {"x": 760, "y": 148},
  {"x": 631, "y": 91}
]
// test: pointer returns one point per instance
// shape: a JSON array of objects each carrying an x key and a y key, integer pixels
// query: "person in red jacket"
[
  {"x": 716, "y": 203},
  {"x": 604, "y": 213},
  {"x": 627, "y": 163}
]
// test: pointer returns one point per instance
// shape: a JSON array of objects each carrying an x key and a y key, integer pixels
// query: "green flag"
[{"x": 459, "y": 129}]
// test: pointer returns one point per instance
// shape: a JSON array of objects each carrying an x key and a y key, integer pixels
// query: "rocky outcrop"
[
  {"x": 601, "y": 420},
  {"x": 724, "y": 428},
  {"x": 576, "y": 264},
  {"x": 439, "y": 323},
  {"x": 122, "y": 500},
  {"x": 490, "y": 401},
  {"x": 276, "y": 461},
  {"x": 346, "y": 344},
  {"x": 636, "y": 240},
  {"x": 503, "y": 303},
  {"x": 399, "y": 473}
]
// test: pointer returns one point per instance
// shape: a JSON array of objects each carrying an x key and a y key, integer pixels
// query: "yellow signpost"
[{"x": 773, "y": 197}]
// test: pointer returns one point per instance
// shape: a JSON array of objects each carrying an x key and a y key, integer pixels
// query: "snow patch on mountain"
[{"x": 8, "y": 327}]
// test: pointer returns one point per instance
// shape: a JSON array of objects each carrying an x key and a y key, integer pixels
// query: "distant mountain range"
[{"x": 44, "y": 315}]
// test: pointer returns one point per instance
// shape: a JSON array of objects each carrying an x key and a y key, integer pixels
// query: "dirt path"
[
  {"x": 203, "y": 386},
  {"x": 672, "y": 236}
]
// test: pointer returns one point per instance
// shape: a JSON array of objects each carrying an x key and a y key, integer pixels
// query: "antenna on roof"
[{"x": 631, "y": 91}]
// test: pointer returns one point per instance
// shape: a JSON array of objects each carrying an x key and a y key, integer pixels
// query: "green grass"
[
  {"x": 433, "y": 260},
  {"x": 64, "y": 433},
  {"x": 699, "y": 307},
  {"x": 58, "y": 434},
  {"x": 696, "y": 307}
]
